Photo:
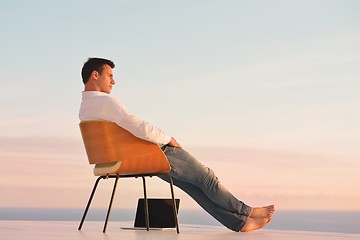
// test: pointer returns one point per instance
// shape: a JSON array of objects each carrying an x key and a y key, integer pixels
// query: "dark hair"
[{"x": 94, "y": 64}]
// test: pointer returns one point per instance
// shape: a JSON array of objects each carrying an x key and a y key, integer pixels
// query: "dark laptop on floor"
[{"x": 161, "y": 215}]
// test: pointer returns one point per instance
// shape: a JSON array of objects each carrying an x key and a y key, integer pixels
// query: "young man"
[{"x": 188, "y": 174}]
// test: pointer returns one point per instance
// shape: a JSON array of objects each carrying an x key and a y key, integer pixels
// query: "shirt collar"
[{"x": 86, "y": 94}]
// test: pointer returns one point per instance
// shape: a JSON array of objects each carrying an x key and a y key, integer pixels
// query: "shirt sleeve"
[{"x": 141, "y": 129}]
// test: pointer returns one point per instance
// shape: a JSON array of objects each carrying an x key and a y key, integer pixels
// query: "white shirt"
[{"x": 101, "y": 106}]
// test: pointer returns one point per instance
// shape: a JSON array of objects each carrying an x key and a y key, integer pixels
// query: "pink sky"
[{"x": 54, "y": 172}]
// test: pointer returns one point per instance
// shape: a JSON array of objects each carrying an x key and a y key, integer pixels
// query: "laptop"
[{"x": 161, "y": 215}]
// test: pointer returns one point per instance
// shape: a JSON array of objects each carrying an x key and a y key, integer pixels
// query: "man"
[{"x": 188, "y": 174}]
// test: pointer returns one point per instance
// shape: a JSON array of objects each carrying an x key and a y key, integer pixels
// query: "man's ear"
[{"x": 95, "y": 74}]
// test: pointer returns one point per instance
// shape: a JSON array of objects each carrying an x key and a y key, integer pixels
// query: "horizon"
[{"x": 318, "y": 221}]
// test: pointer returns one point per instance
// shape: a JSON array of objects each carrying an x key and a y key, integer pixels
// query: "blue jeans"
[{"x": 204, "y": 187}]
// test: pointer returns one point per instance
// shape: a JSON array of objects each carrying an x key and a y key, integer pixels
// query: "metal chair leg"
[
  {"x": 146, "y": 206},
  {"x": 90, "y": 200},
  {"x": 174, "y": 204},
  {"x": 110, "y": 204}
]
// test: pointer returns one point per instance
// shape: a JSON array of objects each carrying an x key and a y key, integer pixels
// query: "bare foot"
[
  {"x": 262, "y": 212},
  {"x": 255, "y": 223}
]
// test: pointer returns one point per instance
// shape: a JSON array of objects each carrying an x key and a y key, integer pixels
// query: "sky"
[{"x": 266, "y": 93}]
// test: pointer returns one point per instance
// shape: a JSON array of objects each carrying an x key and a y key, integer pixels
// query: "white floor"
[{"x": 53, "y": 230}]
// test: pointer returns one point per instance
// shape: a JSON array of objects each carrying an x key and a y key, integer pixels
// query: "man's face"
[{"x": 105, "y": 79}]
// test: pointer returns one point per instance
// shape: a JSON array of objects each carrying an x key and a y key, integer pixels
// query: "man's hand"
[{"x": 174, "y": 143}]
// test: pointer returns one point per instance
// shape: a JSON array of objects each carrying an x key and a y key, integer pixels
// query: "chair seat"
[
  {"x": 118, "y": 167},
  {"x": 106, "y": 168}
]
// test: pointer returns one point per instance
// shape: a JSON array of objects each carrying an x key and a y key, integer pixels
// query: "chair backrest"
[{"x": 107, "y": 142}]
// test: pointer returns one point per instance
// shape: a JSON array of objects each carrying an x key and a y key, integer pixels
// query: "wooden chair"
[{"x": 117, "y": 153}]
